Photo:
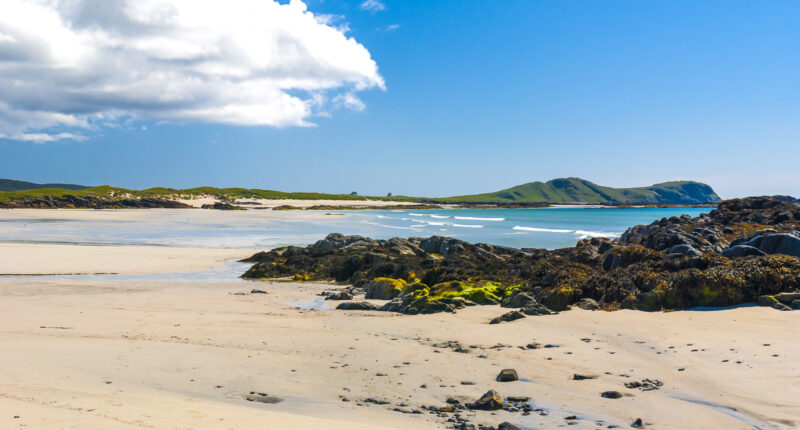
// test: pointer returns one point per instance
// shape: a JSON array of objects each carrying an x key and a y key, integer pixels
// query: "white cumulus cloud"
[{"x": 83, "y": 63}]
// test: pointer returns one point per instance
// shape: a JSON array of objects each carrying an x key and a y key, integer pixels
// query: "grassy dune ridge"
[{"x": 171, "y": 193}]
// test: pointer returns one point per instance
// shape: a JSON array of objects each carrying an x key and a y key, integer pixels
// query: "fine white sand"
[
  {"x": 40, "y": 259},
  {"x": 271, "y": 203},
  {"x": 179, "y": 355}
]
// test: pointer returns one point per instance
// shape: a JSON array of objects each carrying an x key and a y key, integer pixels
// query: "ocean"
[{"x": 523, "y": 228}]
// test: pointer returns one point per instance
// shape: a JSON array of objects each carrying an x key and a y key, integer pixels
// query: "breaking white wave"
[
  {"x": 479, "y": 219},
  {"x": 413, "y": 214},
  {"x": 548, "y": 230},
  {"x": 467, "y": 225},
  {"x": 441, "y": 216},
  {"x": 435, "y": 223},
  {"x": 582, "y": 233},
  {"x": 386, "y": 225}
]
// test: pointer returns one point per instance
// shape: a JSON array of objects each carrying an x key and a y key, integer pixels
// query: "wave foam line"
[
  {"x": 547, "y": 230},
  {"x": 386, "y": 225},
  {"x": 413, "y": 214},
  {"x": 467, "y": 225},
  {"x": 479, "y": 219},
  {"x": 440, "y": 216},
  {"x": 583, "y": 233}
]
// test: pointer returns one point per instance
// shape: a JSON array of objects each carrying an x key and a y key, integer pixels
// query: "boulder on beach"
[
  {"x": 384, "y": 288},
  {"x": 507, "y": 375},
  {"x": 357, "y": 306},
  {"x": 610, "y": 394},
  {"x": 490, "y": 401},
  {"x": 339, "y": 295},
  {"x": 508, "y": 317}
]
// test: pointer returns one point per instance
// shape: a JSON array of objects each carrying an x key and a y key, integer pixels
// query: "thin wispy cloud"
[
  {"x": 44, "y": 137},
  {"x": 390, "y": 28},
  {"x": 372, "y": 5},
  {"x": 93, "y": 63}
]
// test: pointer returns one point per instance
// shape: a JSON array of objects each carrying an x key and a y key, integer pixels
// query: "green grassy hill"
[
  {"x": 13, "y": 185},
  {"x": 171, "y": 193},
  {"x": 576, "y": 190}
]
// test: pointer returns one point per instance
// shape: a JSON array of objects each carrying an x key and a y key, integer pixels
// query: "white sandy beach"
[
  {"x": 271, "y": 203},
  {"x": 44, "y": 259},
  {"x": 167, "y": 355}
]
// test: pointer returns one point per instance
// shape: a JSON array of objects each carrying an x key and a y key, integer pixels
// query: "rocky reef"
[
  {"x": 222, "y": 206},
  {"x": 745, "y": 250},
  {"x": 69, "y": 201}
]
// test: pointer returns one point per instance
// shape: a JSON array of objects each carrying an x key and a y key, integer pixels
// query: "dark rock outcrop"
[
  {"x": 744, "y": 249},
  {"x": 223, "y": 206},
  {"x": 69, "y": 201}
]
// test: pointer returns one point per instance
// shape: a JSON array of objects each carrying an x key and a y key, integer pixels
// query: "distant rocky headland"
[
  {"x": 744, "y": 251},
  {"x": 19, "y": 194}
]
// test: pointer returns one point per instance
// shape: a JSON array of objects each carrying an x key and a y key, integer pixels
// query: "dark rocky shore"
[
  {"x": 90, "y": 202},
  {"x": 745, "y": 250}
]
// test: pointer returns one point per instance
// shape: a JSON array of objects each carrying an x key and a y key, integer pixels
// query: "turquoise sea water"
[{"x": 530, "y": 228}]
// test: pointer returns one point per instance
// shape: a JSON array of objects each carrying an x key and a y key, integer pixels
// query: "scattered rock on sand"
[
  {"x": 508, "y": 317},
  {"x": 611, "y": 394},
  {"x": 357, "y": 306},
  {"x": 254, "y": 396},
  {"x": 256, "y": 291},
  {"x": 339, "y": 295},
  {"x": 579, "y": 377},
  {"x": 536, "y": 309},
  {"x": 637, "y": 424},
  {"x": 518, "y": 399},
  {"x": 645, "y": 384},
  {"x": 507, "y": 426},
  {"x": 491, "y": 401},
  {"x": 507, "y": 375}
]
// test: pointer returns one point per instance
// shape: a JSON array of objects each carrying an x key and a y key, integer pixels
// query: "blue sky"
[{"x": 483, "y": 95}]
